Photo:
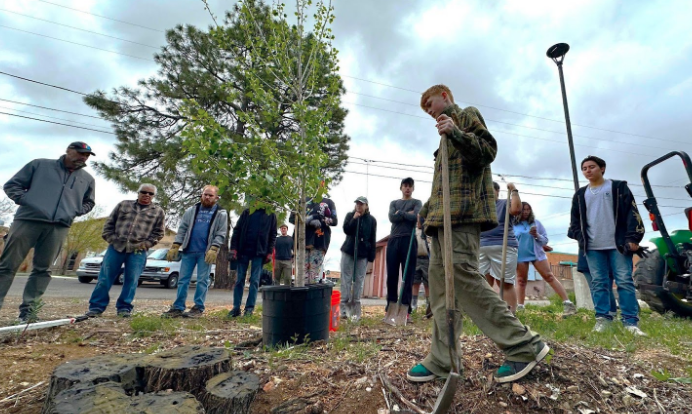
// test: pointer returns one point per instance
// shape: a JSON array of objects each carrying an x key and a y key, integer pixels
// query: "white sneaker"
[
  {"x": 520, "y": 307},
  {"x": 569, "y": 309},
  {"x": 634, "y": 330},
  {"x": 602, "y": 324}
]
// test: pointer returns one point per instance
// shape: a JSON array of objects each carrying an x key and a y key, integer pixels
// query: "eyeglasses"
[{"x": 147, "y": 193}]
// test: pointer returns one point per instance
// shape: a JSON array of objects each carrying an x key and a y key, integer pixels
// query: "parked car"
[
  {"x": 160, "y": 270},
  {"x": 89, "y": 268}
]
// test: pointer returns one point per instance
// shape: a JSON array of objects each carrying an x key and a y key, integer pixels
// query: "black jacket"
[
  {"x": 318, "y": 237},
  {"x": 367, "y": 236},
  {"x": 629, "y": 227},
  {"x": 267, "y": 235}
]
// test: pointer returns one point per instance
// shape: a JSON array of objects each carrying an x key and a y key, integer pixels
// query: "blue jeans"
[
  {"x": 601, "y": 264},
  {"x": 613, "y": 302},
  {"x": 110, "y": 270},
  {"x": 188, "y": 261},
  {"x": 243, "y": 263}
]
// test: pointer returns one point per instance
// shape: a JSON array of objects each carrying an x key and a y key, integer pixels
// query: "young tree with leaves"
[{"x": 292, "y": 77}]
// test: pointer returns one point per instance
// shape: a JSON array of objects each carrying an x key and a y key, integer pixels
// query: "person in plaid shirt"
[
  {"x": 471, "y": 150},
  {"x": 132, "y": 228}
]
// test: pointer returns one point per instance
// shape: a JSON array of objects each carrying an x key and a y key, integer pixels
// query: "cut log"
[
  {"x": 231, "y": 392},
  {"x": 109, "y": 397},
  {"x": 120, "y": 369},
  {"x": 186, "y": 368}
]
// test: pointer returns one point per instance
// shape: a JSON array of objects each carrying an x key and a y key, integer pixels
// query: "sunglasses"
[{"x": 147, "y": 193}]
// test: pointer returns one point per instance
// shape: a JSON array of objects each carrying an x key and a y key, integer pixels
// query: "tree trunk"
[
  {"x": 186, "y": 368},
  {"x": 121, "y": 369},
  {"x": 109, "y": 397},
  {"x": 222, "y": 276},
  {"x": 300, "y": 232},
  {"x": 231, "y": 392}
]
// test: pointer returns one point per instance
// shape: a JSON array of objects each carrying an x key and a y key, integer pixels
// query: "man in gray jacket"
[
  {"x": 202, "y": 231},
  {"x": 50, "y": 194}
]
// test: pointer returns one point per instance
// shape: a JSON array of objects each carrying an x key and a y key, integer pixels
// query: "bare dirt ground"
[{"x": 359, "y": 371}]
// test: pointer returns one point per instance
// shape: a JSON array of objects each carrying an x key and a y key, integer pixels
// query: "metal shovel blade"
[
  {"x": 391, "y": 316},
  {"x": 401, "y": 316},
  {"x": 446, "y": 397}
]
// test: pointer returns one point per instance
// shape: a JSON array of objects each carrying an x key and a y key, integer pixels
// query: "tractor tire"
[{"x": 650, "y": 271}]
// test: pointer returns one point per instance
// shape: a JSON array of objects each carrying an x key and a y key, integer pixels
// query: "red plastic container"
[{"x": 335, "y": 312}]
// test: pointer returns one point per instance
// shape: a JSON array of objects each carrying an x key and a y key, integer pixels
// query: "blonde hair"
[
  {"x": 435, "y": 90},
  {"x": 211, "y": 187}
]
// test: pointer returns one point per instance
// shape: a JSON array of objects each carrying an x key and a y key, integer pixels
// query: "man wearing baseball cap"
[{"x": 50, "y": 194}]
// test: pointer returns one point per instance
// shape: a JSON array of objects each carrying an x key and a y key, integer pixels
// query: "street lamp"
[{"x": 557, "y": 54}]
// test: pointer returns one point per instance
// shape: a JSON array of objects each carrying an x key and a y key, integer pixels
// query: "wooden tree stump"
[
  {"x": 185, "y": 368},
  {"x": 109, "y": 397},
  {"x": 121, "y": 369},
  {"x": 231, "y": 392}
]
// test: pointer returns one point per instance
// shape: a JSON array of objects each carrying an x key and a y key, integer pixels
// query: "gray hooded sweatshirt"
[{"x": 47, "y": 191}]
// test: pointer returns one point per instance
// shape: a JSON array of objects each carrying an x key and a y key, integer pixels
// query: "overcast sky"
[{"x": 628, "y": 81}]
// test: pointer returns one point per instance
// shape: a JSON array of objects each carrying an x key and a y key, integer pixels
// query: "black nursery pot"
[{"x": 295, "y": 314}]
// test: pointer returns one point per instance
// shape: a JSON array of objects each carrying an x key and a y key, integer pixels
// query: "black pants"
[{"x": 397, "y": 250}]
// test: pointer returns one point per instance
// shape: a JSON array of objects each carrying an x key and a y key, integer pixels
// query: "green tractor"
[{"x": 664, "y": 277}]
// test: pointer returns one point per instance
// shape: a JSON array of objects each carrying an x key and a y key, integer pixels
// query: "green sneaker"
[
  {"x": 512, "y": 371},
  {"x": 419, "y": 373}
]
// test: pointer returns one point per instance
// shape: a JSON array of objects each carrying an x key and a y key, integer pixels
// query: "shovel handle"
[
  {"x": 449, "y": 266},
  {"x": 504, "y": 247}
]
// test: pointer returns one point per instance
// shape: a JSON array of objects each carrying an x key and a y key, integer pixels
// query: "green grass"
[
  {"x": 147, "y": 325},
  {"x": 667, "y": 332}
]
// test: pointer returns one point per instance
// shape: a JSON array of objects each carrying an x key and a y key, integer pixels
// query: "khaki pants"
[
  {"x": 476, "y": 298},
  {"x": 46, "y": 239},
  {"x": 282, "y": 272}
]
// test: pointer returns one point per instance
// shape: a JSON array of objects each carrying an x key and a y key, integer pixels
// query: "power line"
[
  {"x": 44, "y": 84},
  {"x": 50, "y": 109},
  {"x": 351, "y": 77},
  {"x": 75, "y": 43},
  {"x": 52, "y": 117},
  {"x": 79, "y": 28},
  {"x": 495, "y": 131},
  {"x": 523, "y": 192},
  {"x": 506, "y": 175},
  {"x": 504, "y": 110},
  {"x": 57, "y": 123},
  {"x": 529, "y": 127},
  {"x": 102, "y": 17}
]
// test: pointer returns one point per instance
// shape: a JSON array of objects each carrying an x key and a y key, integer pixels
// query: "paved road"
[{"x": 70, "y": 287}]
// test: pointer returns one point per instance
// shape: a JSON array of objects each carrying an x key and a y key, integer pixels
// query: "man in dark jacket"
[
  {"x": 607, "y": 225},
  {"x": 358, "y": 249},
  {"x": 252, "y": 244},
  {"x": 50, "y": 194}
]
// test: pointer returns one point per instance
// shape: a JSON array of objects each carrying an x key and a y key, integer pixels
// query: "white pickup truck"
[{"x": 157, "y": 269}]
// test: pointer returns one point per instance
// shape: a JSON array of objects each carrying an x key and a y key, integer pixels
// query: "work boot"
[
  {"x": 248, "y": 312},
  {"x": 172, "y": 313},
  {"x": 569, "y": 309},
  {"x": 602, "y": 325},
  {"x": 26, "y": 317},
  {"x": 93, "y": 313},
  {"x": 124, "y": 313},
  {"x": 512, "y": 371},
  {"x": 428, "y": 311},
  {"x": 194, "y": 312},
  {"x": 234, "y": 313}
]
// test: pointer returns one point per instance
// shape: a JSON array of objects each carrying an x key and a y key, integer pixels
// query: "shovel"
[
  {"x": 446, "y": 397},
  {"x": 397, "y": 314},
  {"x": 504, "y": 247}
]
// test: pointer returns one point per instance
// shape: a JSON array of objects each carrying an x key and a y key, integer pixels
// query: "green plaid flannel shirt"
[{"x": 471, "y": 149}]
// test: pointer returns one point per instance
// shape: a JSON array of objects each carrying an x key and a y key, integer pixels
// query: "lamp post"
[{"x": 557, "y": 54}]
